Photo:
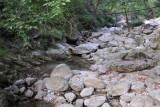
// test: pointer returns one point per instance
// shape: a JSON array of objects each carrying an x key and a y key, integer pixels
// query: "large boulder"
[
  {"x": 56, "y": 83},
  {"x": 85, "y": 48},
  {"x": 62, "y": 70},
  {"x": 118, "y": 88},
  {"x": 61, "y": 53},
  {"x": 129, "y": 66}
]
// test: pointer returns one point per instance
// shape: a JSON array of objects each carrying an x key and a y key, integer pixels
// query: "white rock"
[
  {"x": 128, "y": 97},
  {"x": 87, "y": 92},
  {"x": 79, "y": 103},
  {"x": 28, "y": 93},
  {"x": 70, "y": 96},
  {"x": 95, "y": 101},
  {"x": 62, "y": 70},
  {"x": 85, "y": 48},
  {"x": 105, "y": 105},
  {"x": 106, "y": 37},
  {"x": 142, "y": 101},
  {"x": 56, "y": 83},
  {"x": 118, "y": 88},
  {"x": 95, "y": 83},
  {"x": 155, "y": 94},
  {"x": 59, "y": 100},
  {"x": 65, "y": 105},
  {"x": 76, "y": 83},
  {"x": 138, "y": 87}
]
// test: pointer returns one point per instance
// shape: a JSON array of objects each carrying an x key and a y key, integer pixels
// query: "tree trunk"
[{"x": 127, "y": 21}]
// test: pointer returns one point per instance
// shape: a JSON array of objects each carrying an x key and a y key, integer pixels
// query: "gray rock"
[
  {"x": 95, "y": 83},
  {"x": 62, "y": 70},
  {"x": 150, "y": 73},
  {"x": 106, "y": 105},
  {"x": 70, "y": 96},
  {"x": 139, "y": 39},
  {"x": 58, "y": 53},
  {"x": 30, "y": 81},
  {"x": 87, "y": 92},
  {"x": 106, "y": 37},
  {"x": 76, "y": 83},
  {"x": 85, "y": 48},
  {"x": 20, "y": 82},
  {"x": 79, "y": 103},
  {"x": 56, "y": 83},
  {"x": 65, "y": 105},
  {"x": 28, "y": 93},
  {"x": 135, "y": 55},
  {"x": 147, "y": 31},
  {"x": 127, "y": 97},
  {"x": 15, "y": 89},
  {"x": 150, "y": 83},
  {"x": 138, "y": 87},
  {"x": 118, "y": 88},
  {"x": 142, "y": 101},
  {"x": 39, "y": 85},
  {"x": 95, "y": 101},
  {"x": 129, "y": 66},
  {"x": 40, "y": 95},
  {"x": 21, "y": 90},
  {"x": 155, "y": 94},
  {"x": 113, "y": 44},
  {"x": 154, "y": 46}
]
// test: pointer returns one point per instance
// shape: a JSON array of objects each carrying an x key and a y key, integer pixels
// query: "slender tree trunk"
[{"x": 127, "y": 20}]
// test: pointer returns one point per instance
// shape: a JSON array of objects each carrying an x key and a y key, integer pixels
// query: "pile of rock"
[{"x": 23, "y": 87}]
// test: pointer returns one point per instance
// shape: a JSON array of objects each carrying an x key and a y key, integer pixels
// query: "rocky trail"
[{"x": 125, "y": 71}]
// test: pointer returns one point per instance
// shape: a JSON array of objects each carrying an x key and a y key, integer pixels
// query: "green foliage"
[
  {"x": 19, "y": 17},
  {"x": 3, "y": 53}
]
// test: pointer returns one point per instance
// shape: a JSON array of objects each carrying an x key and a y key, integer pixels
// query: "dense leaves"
[{"x": 29, "y": 19}]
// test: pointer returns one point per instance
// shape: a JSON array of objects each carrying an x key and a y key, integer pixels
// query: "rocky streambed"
[{"x": 125, "y": 71}]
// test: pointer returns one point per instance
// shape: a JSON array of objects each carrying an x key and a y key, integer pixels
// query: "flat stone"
[
  {"x": 56, "y": 83},
  {"x": 138, "y": 87},
  {"x": 129, "y": 66},
  {"x": 20, "y": 82},
  {"x": 85, "y": 48},
  {"x": 62, "y": 70},
  {"x": 106, "y": 37},
  {"x": 150, "y": 83},
  {"x": 127, "y": 97},
  {"x": 95, "y": 101},
  {"x": 87, "y": 92},
  {"x": 155, "y": 94},
  {"x": 118, "y": 88},
  {"x": 95, "y": 83},
  {"x": 76, "y": 83},
  {"x": 142, "y": 101}
]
